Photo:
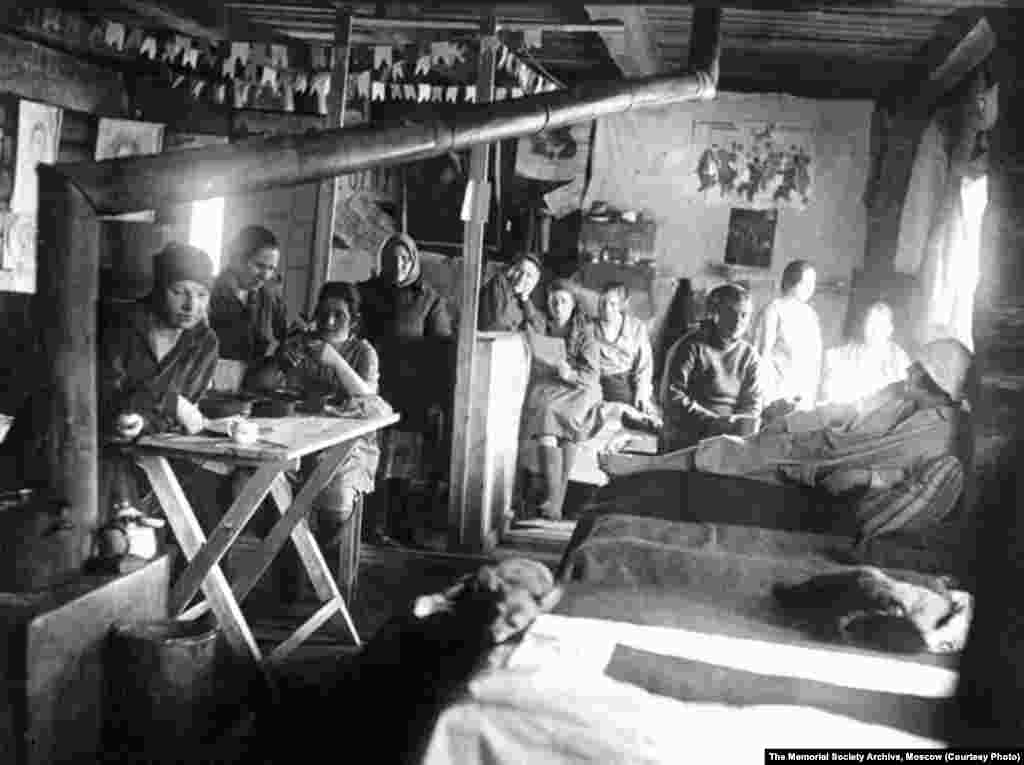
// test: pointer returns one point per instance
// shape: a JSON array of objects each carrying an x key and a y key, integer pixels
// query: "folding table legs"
[{"x": 191, "y": 539}]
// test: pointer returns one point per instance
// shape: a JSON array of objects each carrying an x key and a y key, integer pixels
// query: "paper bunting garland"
[
  {"x": 148, "y": 47},
  {"x": 471, "y": 94},
  {"x": 363, "y": 84},
  {"x": 191, "y": 58},
  {"x": 398, "y": 70},
  {"x": 377, "y": 91},
  {"x": 279, "y": 56},
  {"x": 115, "y": 35},
  {"x": 422, "y": 65},
  {"x": 381, "y": 56},
  {"x": 451, "y": 94},
  {"x": 269, "y": 78}
]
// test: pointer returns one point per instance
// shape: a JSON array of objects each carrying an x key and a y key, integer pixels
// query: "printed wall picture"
[
  {"x": 555, "y": 155},
  {"x": 755, "y": 164},
  {"x": 127, "y": 138},
  {"x": 751, "y": 237},
  {"x": 34, "y": 135}
]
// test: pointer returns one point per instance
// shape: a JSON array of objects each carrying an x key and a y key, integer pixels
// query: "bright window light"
[{"x": 206, "y": 227}]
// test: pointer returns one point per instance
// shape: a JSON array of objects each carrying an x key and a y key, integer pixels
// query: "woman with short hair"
[
  {"x": 561, "y": 405},
  {"x": 624, "y": 351},
  {"x": 247, "y": 308},
  {"x": 787, "y": 334}
]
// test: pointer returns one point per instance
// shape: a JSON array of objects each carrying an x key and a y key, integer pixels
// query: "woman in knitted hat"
[{"x": 157, "y": 364}]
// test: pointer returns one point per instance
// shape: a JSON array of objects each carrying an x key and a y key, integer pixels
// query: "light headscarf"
[{"x": 389, "y": 263}]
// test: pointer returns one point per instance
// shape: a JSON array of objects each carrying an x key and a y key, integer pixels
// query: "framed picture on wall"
[{"x": 751, "y": 238}]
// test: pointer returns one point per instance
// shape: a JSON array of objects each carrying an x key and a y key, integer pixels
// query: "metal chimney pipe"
[{"x": 147, "y": 182}]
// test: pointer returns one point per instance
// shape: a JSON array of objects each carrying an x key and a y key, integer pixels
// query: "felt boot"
[
  {"x": 569, "y": 451},
  {"x": 552, "y": 480}
]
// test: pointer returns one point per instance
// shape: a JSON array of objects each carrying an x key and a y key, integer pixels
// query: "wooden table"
[{"x": 283, "y": 441}]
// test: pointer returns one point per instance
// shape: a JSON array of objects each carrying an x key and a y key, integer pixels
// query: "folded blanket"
[{"x": 868, "y": 607}]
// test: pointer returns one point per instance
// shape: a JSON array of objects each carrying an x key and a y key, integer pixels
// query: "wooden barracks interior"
[{"x": 523, "y": 382}]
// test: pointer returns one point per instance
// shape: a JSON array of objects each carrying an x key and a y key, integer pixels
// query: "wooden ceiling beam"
[
  {"x": 706, "y": 41},
  {"x": 635, "y": 51},
  {"x": 211, "y": 21}
]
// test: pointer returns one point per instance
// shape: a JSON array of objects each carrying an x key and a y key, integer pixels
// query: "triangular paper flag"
[
  {"x": 381, "y": 56},
  {"x": 269, "y": 78},
  {"x": 532, "y": 38},
  {"x": 220, "y": 92},
  {"x": 191, "y": 58},
  {"x": 471, "y": 94},
  {"x": 240, "y": 52},
  {"x": 301, "y": 82},
  {"x": 227, "y": 69},
  {"x": 259, "y": 54},
  {"x": 115, "y": 35},
  {"x": 363, "y": 84},
  {"x": 396, "y": 92},
  {"x": 133, "y": 41},
  {"x": 148, "y": 48},
  {"x": 287, "y": 95},
  {"x": 318, "y": 56},
  {"x": 445, "y": 52},
  {"x": 436, "y": 93},
  {"x": 409, "y": 92},
  {"x": 241, "y": 93},
  {"x": 451, "y": 94},
  {"x": 423, "y": 92},
  {"x": 517, "y": 92},
  {"x": 252, "y": 72},
  {"x": 502, "y": 57},
  {"x": 500, "y": 94},
  {"x": 377, "y": 91},
  {"x": 197, "y": 88},
  {"x": 279, "y": 56},
  {"x": 178, "y": 80},
  {"x": 398, "y": 70},
  {"x": 423, "y": 65}
]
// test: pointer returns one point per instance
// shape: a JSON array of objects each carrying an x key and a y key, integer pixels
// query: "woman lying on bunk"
[
  {"x": 900, "y": 446},
  {"x": 332, "y": 360},
  {"x": 561, "y": 405}
]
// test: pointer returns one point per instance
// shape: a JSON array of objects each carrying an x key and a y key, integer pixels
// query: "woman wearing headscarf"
[
  {"x": 247, "y": 309},
  {"x": 333, "y": 360},
  {"x": 156, "y": 366},
  {"x": 624, "y": 349},
  {"x": 505, "y": 304},
  {"x": 561, "y": 405},
  {"x": 407, "y": 321},
  {"x": 787, "y": 334}
]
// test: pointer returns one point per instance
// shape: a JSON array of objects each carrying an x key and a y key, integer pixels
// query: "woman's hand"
[
  {"x": 189, "y": 416},
  {"x": 565, "y": 371},
  {"x": 129, "y": 425}
]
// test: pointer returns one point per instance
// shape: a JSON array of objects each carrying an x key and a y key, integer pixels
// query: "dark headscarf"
[
  {"x": 181, "y": 262},
  {"x": 389, "y": 263}
]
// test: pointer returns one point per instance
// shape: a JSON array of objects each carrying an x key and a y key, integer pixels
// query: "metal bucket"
[{"x": 162, "y": 683}]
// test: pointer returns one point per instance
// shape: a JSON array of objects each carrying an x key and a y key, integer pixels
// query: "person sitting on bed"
[
  {"x": 712, "y": 381},
  {"x": 561, "y": 405},
  {"x": 624, "y": 351},
  {"x": 899, "y": 448},
  {"x": 505, "y": 304},
  {"x": 857, "y": 369}
]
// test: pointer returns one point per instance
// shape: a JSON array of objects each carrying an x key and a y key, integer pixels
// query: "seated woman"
[
  {"x": 712, "y": 381},
  {"x": 156, "y": 366},
  {"x": 561, "y": 405},
  {"x": 624, "y": 351},
  {"x": 903, "y": 441},
  {"x": 856, "y": 370},
  {"x": 333, "y": 360},
  {"x": 505, "y": 304}
]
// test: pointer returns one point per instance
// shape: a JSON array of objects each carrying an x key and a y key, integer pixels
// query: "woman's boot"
[
  {"x": 550, "y": 505},
  {"x": 569, "y": 451}
]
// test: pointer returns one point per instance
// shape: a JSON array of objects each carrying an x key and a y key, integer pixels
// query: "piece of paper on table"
[
  {"x": 565, "y": 643},
  {"x": 548, "y": 350}
]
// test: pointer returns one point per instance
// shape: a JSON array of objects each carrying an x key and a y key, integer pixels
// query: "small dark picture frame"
[{"x": 751, "y": 237}]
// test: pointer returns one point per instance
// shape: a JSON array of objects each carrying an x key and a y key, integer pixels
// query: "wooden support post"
[
  {"x": 462, "y": 533},
  {"x": 66, "y": 302},
  {"x": 706, "y": 40},
  {"x": 323, "y": 236}
]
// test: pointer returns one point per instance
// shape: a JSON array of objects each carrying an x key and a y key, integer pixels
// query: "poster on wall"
[
  {"x": 127, "y": 138},
  {"x": 34, "y": 135},
  {"x": 751, "y": 237},
  {"x": 757, "y": 165},
  {"x": 561, "y": 154}
]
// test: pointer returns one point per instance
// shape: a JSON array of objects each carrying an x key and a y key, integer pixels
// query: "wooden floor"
[{"x": 390, "y": 578}]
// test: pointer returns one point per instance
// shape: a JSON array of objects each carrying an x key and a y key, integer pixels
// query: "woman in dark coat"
[
  {"x": 247, "y": 309},
  {"x": 561, "y": 406},
  {"x": 505, "y": 304},
  {"x": 156, "y": 366},
  {"x": 407, "y": 321}
]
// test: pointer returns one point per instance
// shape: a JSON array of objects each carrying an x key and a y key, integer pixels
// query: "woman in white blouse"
[{"x": 787, "y": 334}]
